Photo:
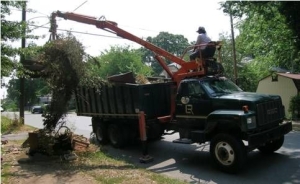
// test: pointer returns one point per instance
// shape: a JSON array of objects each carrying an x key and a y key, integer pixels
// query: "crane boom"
[{"x": 110, "y": 26}]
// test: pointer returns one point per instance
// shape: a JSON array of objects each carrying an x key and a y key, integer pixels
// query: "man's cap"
[{"x": 201, "y": 29}]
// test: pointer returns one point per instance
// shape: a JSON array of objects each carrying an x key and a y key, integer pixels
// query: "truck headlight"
[{"x": 251, "y": 122}]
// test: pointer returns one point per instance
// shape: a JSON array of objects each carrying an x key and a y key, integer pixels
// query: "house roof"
[{"x": 289, "y": 75}]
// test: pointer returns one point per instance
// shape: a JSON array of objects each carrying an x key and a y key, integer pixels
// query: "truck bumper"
[{"x": 268, "y": 135}]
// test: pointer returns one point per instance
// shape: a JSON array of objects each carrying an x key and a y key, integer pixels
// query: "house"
[
  {"x": 173, "y": 68},
  {"x": 286, "y": 85},
  {"x": 45, "y": 99}
]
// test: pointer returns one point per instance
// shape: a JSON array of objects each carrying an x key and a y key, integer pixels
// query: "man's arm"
[{"x": 197, "y": 42}]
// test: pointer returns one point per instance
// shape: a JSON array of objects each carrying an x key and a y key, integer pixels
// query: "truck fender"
[{"x": 222, "y": 121}]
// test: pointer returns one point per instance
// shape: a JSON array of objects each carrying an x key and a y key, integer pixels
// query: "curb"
[{"x": 20, "y": 136}]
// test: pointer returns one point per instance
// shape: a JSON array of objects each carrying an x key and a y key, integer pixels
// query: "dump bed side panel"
[{"x": 124, "y": 100}]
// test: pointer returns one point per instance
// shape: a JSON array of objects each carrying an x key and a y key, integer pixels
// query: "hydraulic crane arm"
[{"x": 112, "y": 27}]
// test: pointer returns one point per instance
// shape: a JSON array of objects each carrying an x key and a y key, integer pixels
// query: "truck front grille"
[{"x": 269, "y": 112}]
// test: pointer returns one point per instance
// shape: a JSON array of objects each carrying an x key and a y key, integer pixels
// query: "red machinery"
[{"x": 188, "y": 69}]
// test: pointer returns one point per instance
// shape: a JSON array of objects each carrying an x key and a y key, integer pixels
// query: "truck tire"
[
  {"x": 229, "y": 153},
  {"x": 101, "y": 133},
  {"x": 272, "y": 146},
  {"x": 116, "y": 136}
]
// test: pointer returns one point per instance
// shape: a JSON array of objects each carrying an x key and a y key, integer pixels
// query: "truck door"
[{"x": 192, "y": 103}]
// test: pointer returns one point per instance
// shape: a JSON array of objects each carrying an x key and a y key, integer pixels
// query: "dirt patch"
[
  {"x": 39, "y": 168},
  {"x": 93, "y": 165}
]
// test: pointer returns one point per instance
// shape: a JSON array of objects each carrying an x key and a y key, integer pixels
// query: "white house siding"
[{"x": 284, "y": 87}]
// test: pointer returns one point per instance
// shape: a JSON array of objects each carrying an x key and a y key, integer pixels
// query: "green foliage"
[
  {"x": 11, "y": 31},
  {"x": 7, "y": 124},
  {"x": 33, "y": 89},
  {"x": 174, "y": 44},
  {"x": 288, "y": 9},
  {"x": 63, "y": 60},
  {"x": 265, "y": 40},
  {"x": 10, "y": 105},
  {"x": 268, "y": 40},
  {"x": 118, "y": 60},
  {"x": 294, "y": 107},
  {"x": 268, "y": 32},
  {"x": 227, "y": 57}
]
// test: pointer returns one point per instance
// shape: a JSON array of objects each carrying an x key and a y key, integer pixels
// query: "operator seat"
[
  {"x": 211, "y": 66},
  {"x": 209, "y": 50}
]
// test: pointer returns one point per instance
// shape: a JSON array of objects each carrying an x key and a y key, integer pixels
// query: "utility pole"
[
  {"x": 22, "y": 57},
  {"x": 233, "y": 48}
]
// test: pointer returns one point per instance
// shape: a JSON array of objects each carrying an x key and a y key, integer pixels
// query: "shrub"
[{"x": 294, "y": 107}]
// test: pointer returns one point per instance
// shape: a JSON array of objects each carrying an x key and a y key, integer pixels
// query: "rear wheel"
[
  {"x": 117, "y": 136},
  {"x": 272, "y": 146},
  {"x": 100, "y": 130},
  {"x": 228, "y": 153},
  {"x": 101, "y": 133}
]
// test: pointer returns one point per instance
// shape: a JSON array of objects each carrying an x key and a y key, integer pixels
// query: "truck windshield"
[{"x": 220, "y": 86}]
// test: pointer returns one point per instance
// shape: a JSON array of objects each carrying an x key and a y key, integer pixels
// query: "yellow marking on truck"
[
  {"x": 108, "y": 114},
  {"x": 189, "y": 109},
  {"x": 187, "y": 116}
]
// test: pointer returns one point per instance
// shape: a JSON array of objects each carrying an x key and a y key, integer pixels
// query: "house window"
[{"x": 274, "y": 77}]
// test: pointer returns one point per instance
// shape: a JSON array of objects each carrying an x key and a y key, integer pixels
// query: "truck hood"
[
  {"x": 237, "y": 100},
  {"x": 251, "y": 97}
]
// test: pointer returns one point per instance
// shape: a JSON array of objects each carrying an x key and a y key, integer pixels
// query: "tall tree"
[
  {"x": 268, "y": 32},
  {"x": 174, "y": 44},
  {"x": 266, "y": 40},
  {"x": 10, "y": 31},
  {"x": 33, "y": 89},
  {"x": 119, "y": 59}
]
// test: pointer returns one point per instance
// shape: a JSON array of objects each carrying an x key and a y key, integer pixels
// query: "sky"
[{"x": 142, "y": 18}]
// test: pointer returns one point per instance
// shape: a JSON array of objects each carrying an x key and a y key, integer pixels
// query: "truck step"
[
  {"x": 198, "y": 136},
  {"x": 183, "y": 141}
]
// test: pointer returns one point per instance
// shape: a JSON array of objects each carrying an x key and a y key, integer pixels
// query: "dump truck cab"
[{"x": 213, "y": 109}]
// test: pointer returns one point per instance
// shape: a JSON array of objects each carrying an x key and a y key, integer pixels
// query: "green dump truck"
[
  {"x": 197, "y": 102},
  {"x": 208, "y": 109}
]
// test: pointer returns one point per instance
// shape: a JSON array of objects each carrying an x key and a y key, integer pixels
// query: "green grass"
[
  {"x": 114, "y": 180},
  {"x": 5, "y": 173},
  {"x": 9, "y": 125},
  {"x": 109, "y": 170}
]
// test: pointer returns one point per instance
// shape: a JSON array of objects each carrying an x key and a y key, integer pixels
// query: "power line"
[
  {"x": 41, "y": 26},
  {"x": 138, "y": 28},
  {"x": 79, "y": 32},
  {"x": 29, "y": 11},
  {"x": 80, "y": 5}
]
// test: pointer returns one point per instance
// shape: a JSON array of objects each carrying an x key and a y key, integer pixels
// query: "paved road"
[
  {"x": 192, "y": 163},
  {"x": 79, "y": 124}
]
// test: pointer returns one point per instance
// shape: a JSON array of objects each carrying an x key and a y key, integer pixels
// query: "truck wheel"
[
  {"x": 101, "y": 133},
  {"x": 228, "y": 153},
  {"x": 116, "y": 136},
  {"x": 272, "y": 146}
]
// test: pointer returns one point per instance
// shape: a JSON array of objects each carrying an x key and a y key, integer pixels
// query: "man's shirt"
[{"x": 202, "y": 39}]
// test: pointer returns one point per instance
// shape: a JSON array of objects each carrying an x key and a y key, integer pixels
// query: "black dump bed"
[{"x": 124, "y": 100}]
